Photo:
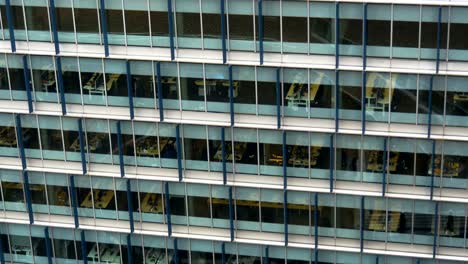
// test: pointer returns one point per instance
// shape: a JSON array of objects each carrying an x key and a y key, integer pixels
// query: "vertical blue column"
[
  {"x": 11, "y": 25},
  {"x": 168, "y": 209},
  {"x": 223, "y": 253},
  {"x": 82, "y": 146},
  {"x": 48, "y": 245},
  {"x": 84, "y": 251},
  {"x": 27, "y": 83},
  {"x": 176, "y": 252},
  {"x": 231, "y": 214},
  {"x": 285, "y": 162},
  {"x": 316, "y": 219},
  {"x": 337, "y": 100},
  {"x": 74, "y": 200},
  {"x": 120, "y": 146},
  {"x": 130, "y": 91},
  {"x": 364, "y": 39},
  {"x": 376, "y": 259},
  {"x": 2, "y": 255},
  {"x": 223, "y": 29},
  {"x": 384, "y": 167},
  {"x": 104, "y": 27},
  {"x": 433, "y": 168},
  {"x": 436, "y": 229},
  {"x": 231, "y": 95},
  {"x": 286, "y": 216},
  {"x": 61, "y": 87},
  {"x": 129, "y": 249},
  {"x": 337, "y": 35},
  {"x": 429, "y": 118},
  {"x": 364, "y": 64},
  {"x": 332, "y": 160},
  {"x": 160, "y": 91},
  {"x": 267, "y": 255},
  {"x": 130, "y": 206},
  {"x": 363, "y": 103},
  {"x": 278, "y": 99},
  {"x": 361, "y": 225},
  {"x": 223, "y": 153},
  {"x": 19, "y": 137},
  {"x": 170, "y": 17},
  {"x": 439, "y": 31},
  {"x": 27, "y": 195},
  {"x": 179, "y": 152},
  {"x": 260, "y": 30},
  {"x": 53, "y": 22}
]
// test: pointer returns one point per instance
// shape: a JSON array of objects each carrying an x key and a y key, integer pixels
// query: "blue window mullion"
[
  {"x": 48, "y": 245},
  {"x": 267, "y": 255},
  {"x": 104, "y": 28},
  {"x": 120, "y": 146},
  {"x": 223, "y": 153},
  {"x": 53, "y": 22},
  {"x": 285, "y": 162},
  {"x": 179, "y": 153},
  {"x": 130, "y": 206},
  {"x": 84, "y": 247},
  {"x": 363, "y": 103},
  {"x": 433, "y": 169},
  {"x": 61, "y": 87},
  {"x": 176, "y": 252},
  {"x": 11, "y": 25},
  {"x": 439, "y": 31},
  {"x": 361, "y": 225},
  {"x": 364, "y": 64},
  {"x": 2, "y": 255},
  {"x": 129, "y": 249},
  {"x": 168, "y": 209},
  {"x": 337, "y": 35},
  {"x": 429, "y": 118},
  {"x": 364, "y": 39},
  {"x": 27, "y": 83},
  {"x": 278, "y": 99},
  {"x": 130, "y": 91},
  {"x": 332, "y": 161},
  {"x": 286, "y": 217},
  {"x": 223, "y": 253},
  {"x": 337, "y": 100},
  {"x": 316, "y": 219},
  {"x": 436, "y": 229},
  {"x": 231, "y": 95},
  {"x": 170, "y": 17},
  {"x": 260, "y": 30},
  {"x": 231, "y": 214},
  {"x": 384, "y": 167},
  {"x": 223, "y": 29},
  {"x": 160, "y": 91},
  {"x": 27, "y": 194},
  {"x": 82, "y": 146},
  {"x": 74, "y": 200},
  {"x": 19, "y": 138}
]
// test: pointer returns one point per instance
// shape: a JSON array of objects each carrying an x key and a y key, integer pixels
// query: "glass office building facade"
[{"x": 233, "y": 131}]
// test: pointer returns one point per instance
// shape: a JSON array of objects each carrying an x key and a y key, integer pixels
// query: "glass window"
[
  {"x": 192, "y": 86},
  {"x": 177, "y": 203},
  {"x": 167, "y": 145},
  {"x": 169, "y": 82},
  {"x": 71, "y": 139},
  {"x": 4, "y": 81},
  {"x": 188, "y": 24},
  {"x": 16, "y": 76},
  {"x": 271, "y": 152},
  {"x": 37, "y": 21},
  {"x": 348, "y": 216},
  {"x": 51, "y": 137},
  {"x": 220, "y": 206},
  {"x": 457, "y": 107},
  {"x": 455, "y": 162},
  {"x": 378, "y": 30},
  {"x": 217, "y": 88},
  {"x": 296, "y": 92},
  {"x": 151, "y": 201},
  {"x": 115, "y": 82},
  {"x": 322, "y": 86},
  {"x": 43, "y": 78},
  {"x": 87, "y": 22},
  {"x": 97, "y": 138},
  {"x": 64, "y": 18},
  {"x": 247, "y": 208},
  {"x": 12, "y": 189},
  {"x": 103, "y": 198},
  {"x": 143, "y": 83},
  {"x": 71, "y": 80},
  {"x": 137, "y": 23},
  {"x": 146, "y": 144},
  {"x": 266, "y": 86},
  {"x": 401, "y": 161},
  {"x": 244, "y": 89},
  {"x": 31, "y": 136},
  {"x": 211, "y": 20},
  {"x": 8, "y": 143},
  {"x": 404, "y": 99},
  {"x": 458, "y": 26},
  {"x": 128, "y": 150},
  {"x": 379, "y": 93},
  {"x": 115, "y": 22},
  {"x": 350, "y": 29},
  {"x": 294, "y": 23},
  {"x": 452, "y": 224},
  {"x": 271, "y": 26},
  {"x": 348, "y": 157},
  {"x": 405, "y": 38},
  {"x": 429, "y": 28},
  {"x": 350, "y": 95},
  {"x": 92, "y": 81},
  {"x": 299, "y": 154},
  {"x": 244, "y": 154},
  {"x": 159, "y": 23},
  {"x": 322, "y": 27},
  {"x": 198, "y": 201},
  {"x": 241, "y": 25},
  {"x": 195, "y": 147}
]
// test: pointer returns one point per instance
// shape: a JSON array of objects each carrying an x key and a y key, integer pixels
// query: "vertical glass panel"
[
  {"x": 192, "y": 87},
  {"x": 195, "y": 147},
  {"x": 438, "y": 95},
  {"x": 146, "y": 144},
  {"x": 8, "y": 143},
  {"x": 320, "y": 155},
  {"x": 351, "y": 29},
  {"x": 21, "y": 249},
  {"x": 458, "y": 43},
  {"x": 404, "y": 98},
  {"x": 300, "y": 214},
  {"x": 12, "y": 189},
  {"x": 247, "y": 208},
  {"x": 128, "y": 150},
  {"x": 379, "y": 93},
  {"x": 271, "y": 152},
  {"x": 350, "y": 95},
  {"x": 4, "y": 80},
  {"x": 378, "y": 30},
  {"x": 243, "y": 78},
  {"x": 188, "y": 24},
  {"x": 177, "y": 203},
  {"x": 217, "y": 88},
  {"x": 103, "y": 198},
  {"x": 159, "y": 23},
  {"x": 452, "y": 224},
  {"x": 299, "y": 154},
  {"x": 212, "y": 24},
  {"x": 98, "y": 143},
  {"x": 376, "y": 219},
  {"x": 297, "y": 94},
  {"x": 155, "y": 249},
  {"x": 137, "y": 23},
  {"x": 220, "y": 206},
  {"x": 57, "y": 194},
  {"x": 457, "y": 107},
  {"x": 198, "y": 202},
  {"x": 92, "y": 81},
  {"x": 244, "y": 153},
  {"x": 38, "y": 192},
  {"x": 373, "y": 159},
  {"x": 321, "y": 92},
  {"x": 43, "y": 78},
  {"x": 31, "y": 137},
  {"x": 401, "y": 161},
  {"x": 167, "y": 145},
  {"x": 348, "y": 216},
  {"x": 294, "y": 23},
  {"x": 216, "y": 149},
  {"x": 87, "y": 21},
  {"x": 51, "y": 137},
  {"x": 429, "y": 34},
  {"x": 115, "y": 82},
  {"x": 143, "y": 83},
  {"x": 423, "y": 222},
  {"x": 201, "y": 251},
  {"x": 71, "y": 80},
  {"x": 16, "y": 75},
  {"x": 37, "y": 21},
  {"x": 64, "y": 19},
  {"x": 122, "y": 199},
  {"x": 18, "y": 22},
  {"x": 405, "y": 39},
  {"x": 423, "y": 162},
  {"x": 115, "y": 24},
  {"x": 266, "y": 86},
  {"x": 71, "y": 139},
  {"x": 84, "y": 196},
  {"x": 151, "y": 201},
  {"x": 348, "y": 157},
  {"x": 322, "y": 27},
  {"x": 271, "y": 26},
  {"x": 424, "y": 83},
  {"x": 241, "y": 21},
  {"x": 455, "y": 162},
  {"x": 399, "y": 220},
  {"x": 169, "y": 82}
]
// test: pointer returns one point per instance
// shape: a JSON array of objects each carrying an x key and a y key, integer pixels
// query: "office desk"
[
  {"x": 373, "y": 163},
  {"x": 451, "y": 167},
  {"x": 7, "y": 137},
  {"x": 93, "y": 254},
  {"x": 152, "y": 203},
  {"x": 93, "y": 141},
  {"x": 235, "y": 87},
  {"x": 95, "y": 85},
  {"x": 299, "y": 157},
  {"x": 297, "y": 94},
  {"x": 102, "y": 198},
  {"x": 377, "y": 221},
  {"x": 19, "y": 186},
  {"x": 460, "y": 98},
  {"x": 239, "y": 151},
  {"x": 156, "y": 256},
  {"x": 379, "y": 91},
  {"x": 149, "y": 147},
  {"x": 48, "y": 81},
  {"x": 110, "y": 254}
]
